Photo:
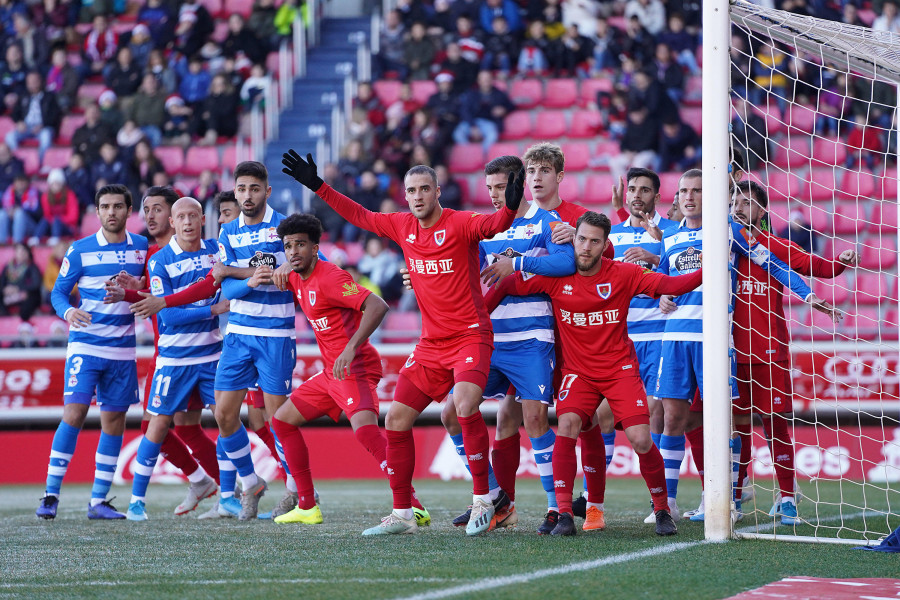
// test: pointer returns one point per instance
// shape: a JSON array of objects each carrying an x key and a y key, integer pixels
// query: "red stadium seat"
[
  {"x": 793, "y": 152},
  {"x": 526, "y": 93},
  {"x": 850, "y": 218},
  {"x": 870, "y": 288},
  {"x": 801, "y": 119},
  {"x": 585, "y": 124},
  {"x": 598, "y": 192},
  {"x": 884, "y": 217},
  {"x": 693, "y": 116},
  {"x": 466, "y": 158},
  {"x": 886, "y": 187},
  {"x": 879, "y": 255},
  {"x": 781, "y": 185},
  {"x": 220, "y": 32},
  {"x": 401, "y": 327},
  {"x": 6, "y": 125},
  {"x": 550, "y": 125},
  {"x": 503, "y": 149},
  {"x": 820, "y": 184},
  {"x": 890, "y": 326},
  {"x": 214, "y": 7},
  {"x": 668, "y": 186},
  {"x": 821, "y": 219},
  {"x": 90, "y": 223},
  {"x": 57, "y": 157},
  {"x": 388, "y": 91},
  {"x": 243, "y": 7},
  {"x": 591, "y": 87},
  {"x": 856, "y": 184},
  {"x": 835, "y": 291},
  {"x": 516, "y": 125},
  {"x": 9, "y": 331},
  {"x": 171, "y": 157},
  {"x": 30, "y": 159},
  {"x": 578, "y": 155},
  {"x": 67, "y": 128},
  {"x": 560, "y": 93},
  {"x": 49, "y": 326},
  {"x": 861, "y": 323},
  {"x": 6, "y": 255},
  {"x": 829, "y": 151},
  {"x": 90, "y": 92},
  {"x": 774, "y": 123},
  {"x": 778, "y": 213},
  {"x": 693, "y": 91},
  {"x": 136, "y": 222},
  {"x": 605, "y": 150},
  {"x": 201, "y": 158},
  {"x": 230, "y": 157},
  {"x": 423, "y": 90},
  {"x": 570, "y": 188},
  {"x": 818, "y": 326}
]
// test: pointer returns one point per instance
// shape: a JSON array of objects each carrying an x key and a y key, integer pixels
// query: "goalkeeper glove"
[
  {"x": 515, "y": 189},
  {"x": 304, "y": 171}
]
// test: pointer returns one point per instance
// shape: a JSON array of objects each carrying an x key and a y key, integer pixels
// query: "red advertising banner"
[
  {"x": 845, "y": 380},
  {"x": 868, "y": 453}
]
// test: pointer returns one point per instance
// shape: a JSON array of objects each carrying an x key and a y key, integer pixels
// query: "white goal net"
[{"x": 814, "y": 113}]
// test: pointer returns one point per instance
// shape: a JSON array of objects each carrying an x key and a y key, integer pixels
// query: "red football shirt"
[
  {"x": 442, "y": 261},
  {"x": 132, "y": 296},
  {"x": 569, "y": 212},
  {"x": 332, "y": 302}
]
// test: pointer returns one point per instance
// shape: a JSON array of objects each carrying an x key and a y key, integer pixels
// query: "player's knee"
[
  {"x": 641, "y": 444},
  {"x": 535, "y": 426},
  {"x": 569, "y": 425}
]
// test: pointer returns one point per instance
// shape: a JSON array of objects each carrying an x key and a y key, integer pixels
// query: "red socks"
[
  {"x": 203, "y": 448},
  {"x": 593, "y": 462},
  {"x": 370, "y": 437},
  {"x": 174, "y": 450},
  {"x": 401, "y": 462},
  {"x": 297, "y": 456},
  {"x": 654, "y": 473},
  {"x": 477, "y": 445},
  {"x": 695, "y": 437},
  {"x": 565, "y": 465},
  {"x": 782, "y": 451},
  {"x": 505, "y": 459}
]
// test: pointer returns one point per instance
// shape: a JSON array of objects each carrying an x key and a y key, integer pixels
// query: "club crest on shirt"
[
  {"x": 410, "y": 361},
  {"x": 440, "y": 237},
  {"x": 261, "y": 258},
  {"x": 604, "y": 290},
  {"x": 138, "y": 256},
  {"x": 312, "y": 297},
  {"x": 529, "y": 231}
]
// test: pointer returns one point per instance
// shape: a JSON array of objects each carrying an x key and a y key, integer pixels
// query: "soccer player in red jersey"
[
  {"x": 199, "y": 463},
  {"x": 761, "y": 340},
  {"x": 441, "y": 251},
  {"x": 343, "y": 315},
  {"x": 590, "y": 308}
]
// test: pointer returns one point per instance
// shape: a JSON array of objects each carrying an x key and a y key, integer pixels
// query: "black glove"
[
  {"x": 303, "y": 171},
  {"x": 515, "y": 189}
]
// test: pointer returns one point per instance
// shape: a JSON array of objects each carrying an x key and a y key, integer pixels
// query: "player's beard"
[{"x": 586, "y": 264}]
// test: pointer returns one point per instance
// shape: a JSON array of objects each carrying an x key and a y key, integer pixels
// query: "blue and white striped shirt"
[
  {"x": 90, "y": 263},
  {"x": 527, "y": 242},
  {"x": 645, "y": 321},
  {"x": 264, "y": 310},
  {"x": 188, "y": 335}
]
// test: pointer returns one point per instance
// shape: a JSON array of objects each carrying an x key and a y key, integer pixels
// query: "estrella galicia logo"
[
  {"x": 688, "y": 261},
  {"x": 261, "y": 258}
]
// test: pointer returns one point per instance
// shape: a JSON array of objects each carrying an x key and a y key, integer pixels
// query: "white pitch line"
[
  {"x": 204, "y": 582},
  {"x": 497, "y": 582}
]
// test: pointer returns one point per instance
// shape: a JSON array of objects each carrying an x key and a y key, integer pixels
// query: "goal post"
[{"x": 814, "y": 104}]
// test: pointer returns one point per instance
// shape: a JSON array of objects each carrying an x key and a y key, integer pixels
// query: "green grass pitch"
[{"x": 181, "y": 557}]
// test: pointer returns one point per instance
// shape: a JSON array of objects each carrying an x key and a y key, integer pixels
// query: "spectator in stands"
[
  {"x": 8, "y": 10},
  {"x": 863, "y": 144},
  {"x": 391, "y": 43},
  {"x": 20, "y": 282},
  {"x": 444, "y": 107},
  {"x": 256, "y": 88},
  {"x": 638, "y": 43},
  {"x": 451, "y": 192},
  {"x": 36, "y": 115},
  {"x": 206, "y": 189},
  {"x": 148, "y": 111},
  {"x": 740, "y": 65},
  {"x": 21, "y": 213},
  {"x": 577, "y": 51},
  {"x": 405, "y": 105},
  {"x": 833, "y": 101},
  {"x": 12, "y": 75},
  {"x": 99, "y": 46},
  {"x": 463, "y": 71},
  {"x": 367, "y": 100},
  {"x": 382, "y": 266},
  {"x": 749, "y": 133},
  {"x": 423, "y": 130},
  {"x": 419, "y": 156},
  {"x": 110, "y": 113},
  {"x": 285, "y": 17},
  {"x": 52, "y": 18},
  {"x": 177, "y": 128},
  {"x": 35, "y": 45},
  {"x": 483, "y": 111},
  {"x": 469, "y": 40},
  {"x": 262, "y": 24},
  {"x": 679, "y": 146},
  {"x": 682, "y": 43},
  {"x": 352, "y": 162},
  {"x": 418, "y": 53},
  {"x": 888, "y": 19},
  {"x": 769, "y": 76},
  {"x": 61, "y": 210},
  {"x": 537, "y": 53},
  {"x": 155, "y": 14},
  {"x": 332, "y": 222},
  {"x": 51, "y": 269},
  {"x": 78, "y": 179},
  {"x": 159, "y": 67},
  {"x": 241, "y": 41},
  {"x": 875, "y": 99},
  {"x": 651, "y": 14},
  {"x": 204, "y": 24},
  {"x": 10, "y": 166},
  {"x": 142, "y": 169},
  {"x": 441, "y": 21},
  {"x": 195, "y": 83},
  {"x": 123, "y": 77},
  {"x": 501, "y": 48},
  {"x": 639, "y": 143},
  {"x": 188, "y": 36},
  {"x": 369, "y": 196},
  {"x": 360, "y": 128},
  {"x": 141, "y": 45},
  {"x": 669, "y": 73},
  {"x": 382, "y": 174},
  {"x": 500, "y": 8},
  {"x": 800, "y": 232},
  {"x": 646, "y": 90},
  {"x": 63, "y": 80},
  {"x": 219, "y": 114},
  {"x": 850, "y": 15},
  {"x": 109, "y": 169},
  {"x": 607, "y": 45}
]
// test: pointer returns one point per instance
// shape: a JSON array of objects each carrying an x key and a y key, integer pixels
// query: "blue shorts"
[
  {"x": 248, "y": 359},
  {"x": 114, "y": 381},
  {"x": 648, "y": 361},
  {"x": 680, "y": 371},
  {"x": 528, "y": 367},
  {"x": 173, "y": 385}
]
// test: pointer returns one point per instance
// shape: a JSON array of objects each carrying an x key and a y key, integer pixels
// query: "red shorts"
[
  {"x": 697, "y": 404},
  {"x": 194, "y": 401},
  {"x": 626, "y": 396},
  {"x": 764, "y": 388},
  {"x": 255, "y": 398},
  {"x": 322, "y": 394},
  {"x": 435, "y": 367}
]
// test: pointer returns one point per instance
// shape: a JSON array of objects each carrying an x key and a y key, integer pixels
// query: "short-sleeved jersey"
[
  {"x": 332, "y": 302},
  {"x": 645, "y": 321},
  {"x": 569, "y": 211},
  {"x": 591, "y": 314},
  {"x": 522, "y": 318},
  {"x": 90, "y": 263},
  {"x": 188, "y": 335},
  {"x": 442, "y": 261},
  {"x": 265, "y": 310}
]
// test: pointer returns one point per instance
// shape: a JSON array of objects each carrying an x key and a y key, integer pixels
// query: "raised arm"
[{"x": 806, "y": 263}]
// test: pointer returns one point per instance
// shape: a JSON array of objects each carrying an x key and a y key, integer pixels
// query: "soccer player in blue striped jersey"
[
  {"x": 100, "y": 356},
  {"x": 189, "y": 340},
  {"x": 259, "y": 345},
  {"x": 680, "y": 372}
]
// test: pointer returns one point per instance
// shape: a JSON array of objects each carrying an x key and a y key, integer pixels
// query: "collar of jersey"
[
  {"x": 267, "y": 218},
  {"x": 532, "y": 210},
  {"x": 102, "y": 241}
]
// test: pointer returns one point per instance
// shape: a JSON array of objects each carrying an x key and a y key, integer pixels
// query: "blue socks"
[
  {"x": 609, "y": 441},
  {"x": 106, "y": 458},
  {"x": 655, "y": 437},
  {"x": 461, "y": 451},
  {"x": 61, "y": 452},
  {"x": 227, "y": 472},
  {"x": 542, "y": 450},
  {"x": 237, "y": 447},
  {"x": 147, "y": 455},
  {"x": 672, "y": 449}
]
